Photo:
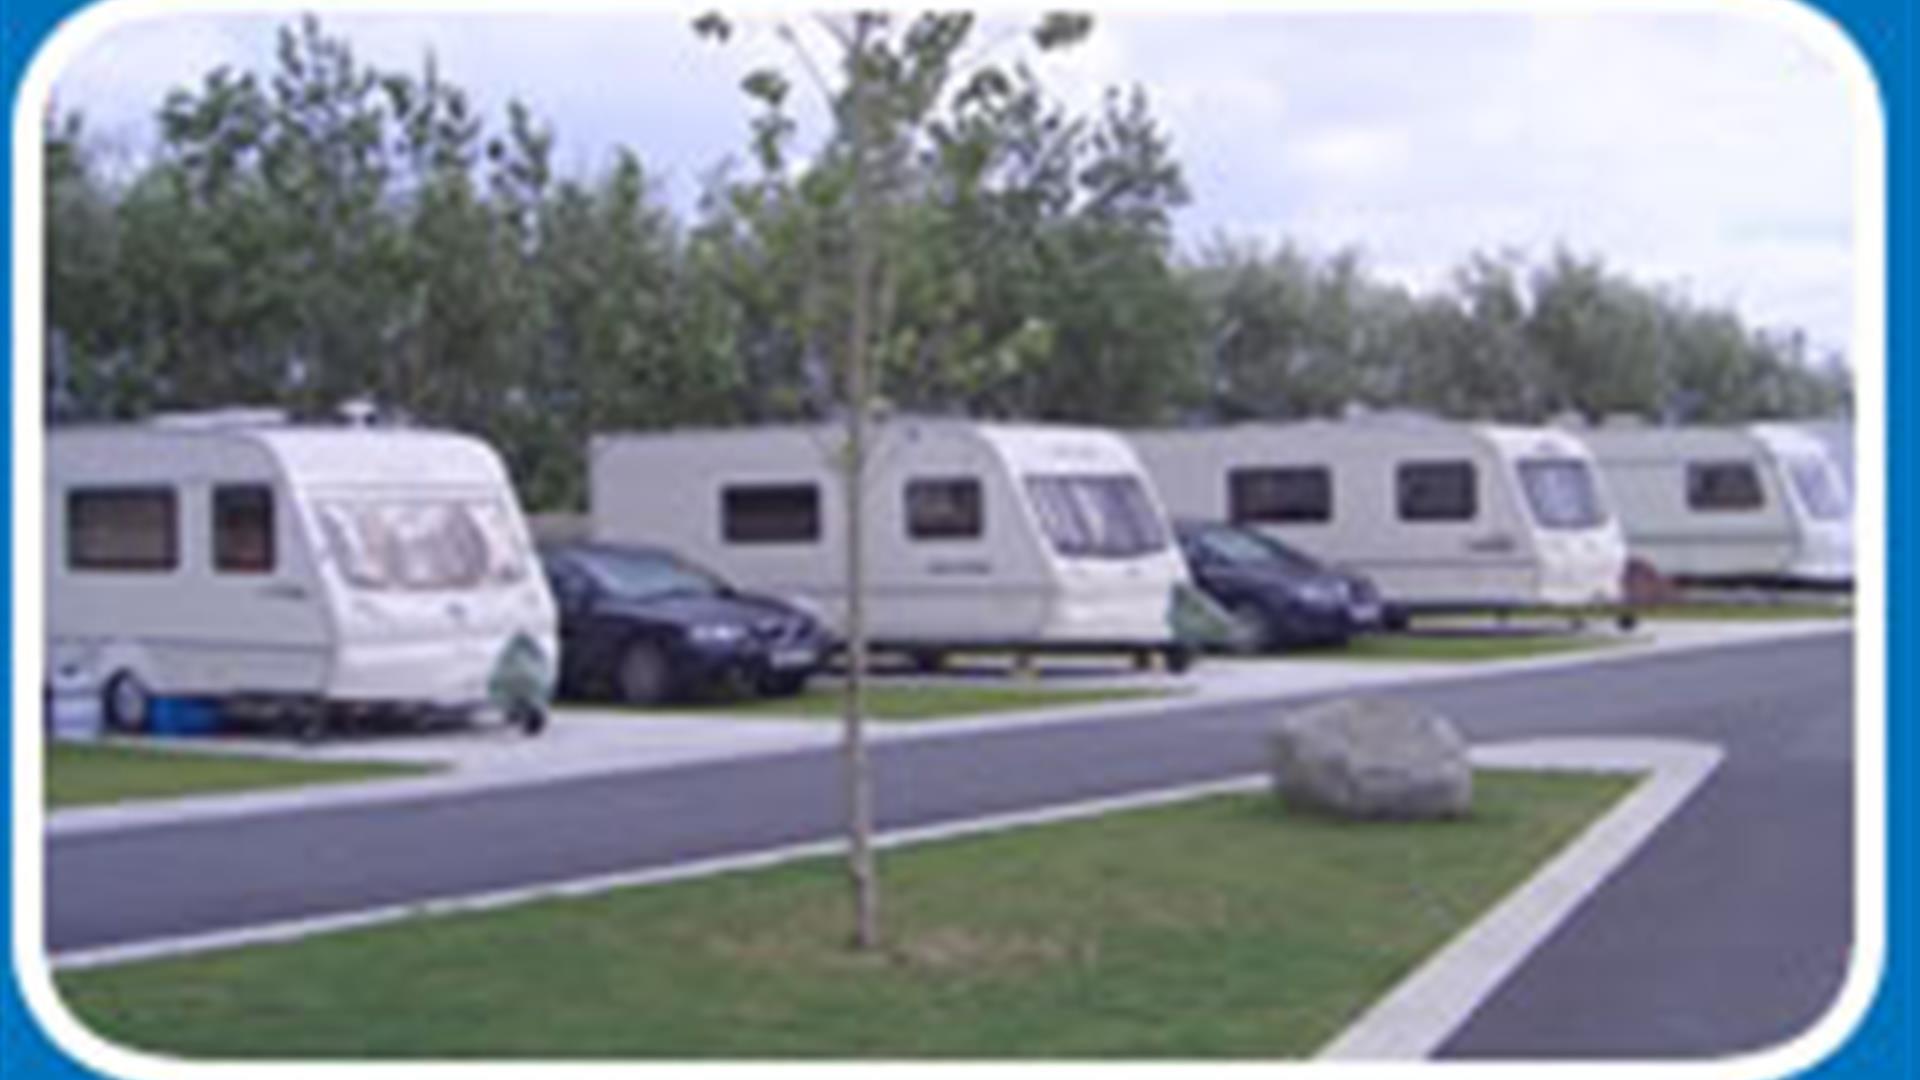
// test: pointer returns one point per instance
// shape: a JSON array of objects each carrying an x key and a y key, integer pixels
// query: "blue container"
[{"x": 183, "y": 716}]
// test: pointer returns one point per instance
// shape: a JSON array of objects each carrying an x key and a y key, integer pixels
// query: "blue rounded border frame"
[{"x": 1887, "y": 1042}]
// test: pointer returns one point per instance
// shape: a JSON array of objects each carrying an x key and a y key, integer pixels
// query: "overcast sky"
[{"x": 1709, "y": 152}]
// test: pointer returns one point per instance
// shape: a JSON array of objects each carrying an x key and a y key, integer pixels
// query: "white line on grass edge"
[{"x": 1411, "y": 1022}]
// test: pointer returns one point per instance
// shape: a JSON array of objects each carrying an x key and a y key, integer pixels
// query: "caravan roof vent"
[{"x": 217, "y": 419}]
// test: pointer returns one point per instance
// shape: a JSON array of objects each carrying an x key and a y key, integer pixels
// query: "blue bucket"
[{"x": 183, "y": 716}]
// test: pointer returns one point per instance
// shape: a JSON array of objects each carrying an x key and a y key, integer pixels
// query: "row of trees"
[{"x": 327, "y": 230}]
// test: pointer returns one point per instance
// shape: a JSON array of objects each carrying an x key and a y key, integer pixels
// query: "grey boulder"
[{"x": 1371, "y": 758}]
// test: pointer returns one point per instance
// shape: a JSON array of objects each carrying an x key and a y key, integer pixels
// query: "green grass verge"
[
  {"x": 88, "y": 775},
  {"x": 923, "y": 701},
  {"x": 1219, "y": 927},
  {"x": 1461, "y": 648},
  {"x": 1759, "y": 612}
]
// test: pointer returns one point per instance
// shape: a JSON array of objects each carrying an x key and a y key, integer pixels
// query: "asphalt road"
[{"x": 1728, "y": 932}]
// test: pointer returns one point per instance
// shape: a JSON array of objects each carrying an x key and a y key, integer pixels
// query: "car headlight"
[
  {"x": 716, "y": 634},
  {"x": 1323, "y": 593}
]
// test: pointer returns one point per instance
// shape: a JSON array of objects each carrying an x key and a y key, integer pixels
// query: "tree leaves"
[
  {"x": 1060, "y": 29},
  {"x": 324, "y": 229},
  {"x": 713, "y": 26}
]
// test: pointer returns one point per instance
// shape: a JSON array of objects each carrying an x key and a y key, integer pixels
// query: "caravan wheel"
[
  {"x": 530, "y": 719},
  {"x": 126, "y": 703}
]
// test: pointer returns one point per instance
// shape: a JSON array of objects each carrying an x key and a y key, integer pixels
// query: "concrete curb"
[
  {"x": 1362, "y": 676},
  {"x": 1427, "y": 1007}
]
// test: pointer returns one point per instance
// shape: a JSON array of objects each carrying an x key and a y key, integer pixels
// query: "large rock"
[{"x": 1372, "y": 758}]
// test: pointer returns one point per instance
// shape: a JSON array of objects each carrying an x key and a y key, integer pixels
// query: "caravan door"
[
  {"x": 258, "y": 588},
  {"x": 1457, "y": 539}
]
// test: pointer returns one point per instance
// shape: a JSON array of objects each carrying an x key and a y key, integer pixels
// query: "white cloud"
[{"x": 1710, "y": 151}]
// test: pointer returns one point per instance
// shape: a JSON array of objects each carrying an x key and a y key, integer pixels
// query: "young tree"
[{"x": 860, "y": 196}]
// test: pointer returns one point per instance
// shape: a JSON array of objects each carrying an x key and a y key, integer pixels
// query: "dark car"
[
  {"x": 1280, "y": 596},
  {"x": 641, "y": 625}
]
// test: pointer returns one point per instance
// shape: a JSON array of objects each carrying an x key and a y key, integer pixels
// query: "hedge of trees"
[{"x": 325, "y": 230}]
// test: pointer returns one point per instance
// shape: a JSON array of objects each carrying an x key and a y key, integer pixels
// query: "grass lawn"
[
  {"x": 1219, "y": 927},
  {"x": 927, "y": 701},
  {"x": 1465, "y": 648},
  {"x": 1718, "y": 611},
  {"x": 86, "y": 775}
]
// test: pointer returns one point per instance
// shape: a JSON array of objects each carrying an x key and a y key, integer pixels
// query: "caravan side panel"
[
  {"x": 955, "y": 555},
  {"x": 764, "y": 508},
  {"x": 1463, "y": 546},
  {"x": 1697, "y": 503},
  {"x": 141, "y": 576}
]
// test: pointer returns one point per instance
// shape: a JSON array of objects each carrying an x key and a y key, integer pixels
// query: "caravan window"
[
  {"x": 1094, "y": 516},
  {"x": 422, "y": 544},
  {"x": 1303, "y": 493},
  {"x": 243, "y": 529},
  {"x": 1562, "y": 493},
  {"x": 947, "y": 509},
  {"x": 1823, "y": 499},
  {"x": 770, "y": 514},
  {"x": 123, "y": 529},
  {"x": 1437, "y": 491},
  {"x": 1723, "y": 486}
]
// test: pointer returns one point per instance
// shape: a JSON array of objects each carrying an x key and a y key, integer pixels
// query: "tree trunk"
[{"x": 859, "y": 781}]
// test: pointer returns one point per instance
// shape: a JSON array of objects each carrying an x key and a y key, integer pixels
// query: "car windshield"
[
  {"x": 1562, "y": 494},
  {"x": 1249, "y": 548},
  {"x": 1097, "y": 515},
  {"x": 422, "y": 543},
  {"x": 1823, "y": 499},
  {"x": 647, "y": 575}
]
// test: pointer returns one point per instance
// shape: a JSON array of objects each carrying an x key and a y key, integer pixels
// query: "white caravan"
[
  {"x": 979, "y": 534},
  {"x": 1837, "y": 437},
  {"x": 1441, "y": 515},
  {"x": 1762, "y": 503},
  {"x": 307, "y": 573}
]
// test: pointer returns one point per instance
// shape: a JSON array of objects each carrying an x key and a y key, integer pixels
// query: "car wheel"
[
  {"x": 642, "y": 678},
  {"x": 1256, "y": 628},
  {"x": 126, "y": 704},
  {"x": 1179, "y": 659}
]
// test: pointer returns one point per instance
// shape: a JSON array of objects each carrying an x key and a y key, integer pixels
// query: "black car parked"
[
  {"x": 1280, "y": 596},
  {"x": 641, "y": 625}
]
